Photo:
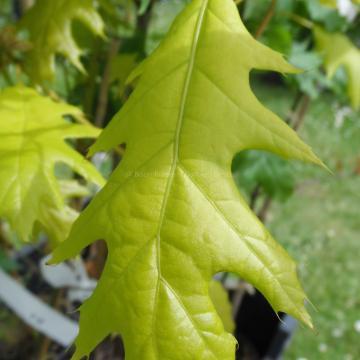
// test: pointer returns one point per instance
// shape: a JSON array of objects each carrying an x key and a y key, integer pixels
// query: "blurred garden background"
[{"x": 313, "y": 213}]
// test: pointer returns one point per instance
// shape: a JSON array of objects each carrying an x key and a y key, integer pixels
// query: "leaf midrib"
[{"x": 176, "y": 143}]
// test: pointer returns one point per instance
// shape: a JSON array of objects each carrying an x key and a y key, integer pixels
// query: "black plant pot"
[{"x": 260, "y": 333}]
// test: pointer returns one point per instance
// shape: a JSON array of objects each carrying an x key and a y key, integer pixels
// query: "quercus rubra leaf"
[
  {"x": 171, "y": 214},
  {"x": 338, "y": 51},
  {"x": 220, "y": 298},
  {"x": 121, "y": 67},
  {"x": 57, "y": 221},
  {"x": 32, "y": 134},
  {"x": 49, "y": 25}
]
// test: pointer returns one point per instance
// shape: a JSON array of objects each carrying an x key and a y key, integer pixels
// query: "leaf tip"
[
  {"x": 292, "y": 69},
  {"x": 311, "y": 157},
  {"x": 52, "y": 261},
  {"x": 317, "y": 161},
  {"x": 55, "y": 258},
  {"x": 304, "y": 316},
  {"x": 92, "y": 151}
]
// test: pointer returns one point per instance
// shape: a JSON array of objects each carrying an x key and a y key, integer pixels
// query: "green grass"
[{"x": 320, "y": 226}]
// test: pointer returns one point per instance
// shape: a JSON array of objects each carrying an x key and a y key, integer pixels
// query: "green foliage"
[
  {"x": 120, "y": 17},
  {"x": 121, "y": 67},
  {"x": 337, "y": 51},
  {"x": 324, "y": 235},
  {"x": 6, "y": 263},
  {"x": 312, "y": 80},
  {"x": 163, "y": 14},
  {"x": 170, "y": 213},
  {"x": 49, "y": 24},
  {"x": 56, "y": 222},
  {"x": 272, "y": 174},
  {"x": 144, "y": 4},
  {"x": 220, "y": 298},
  {"x": 279, "y": 37},
  {"x": 32, "y": 133},
  {"x": 329, "y": 18},
  {"x": 10, "y": 46}
]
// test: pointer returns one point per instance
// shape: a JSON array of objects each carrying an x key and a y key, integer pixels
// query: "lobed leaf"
[
  {"x": 49, "y": 24},
  {"x": 220, "y": 298},
  {"x": 32, "y": 134},
  {"x": 338, "y": 51},
  {"x": 170, "y": 213},
  {"x": 57, "y": 221}
]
